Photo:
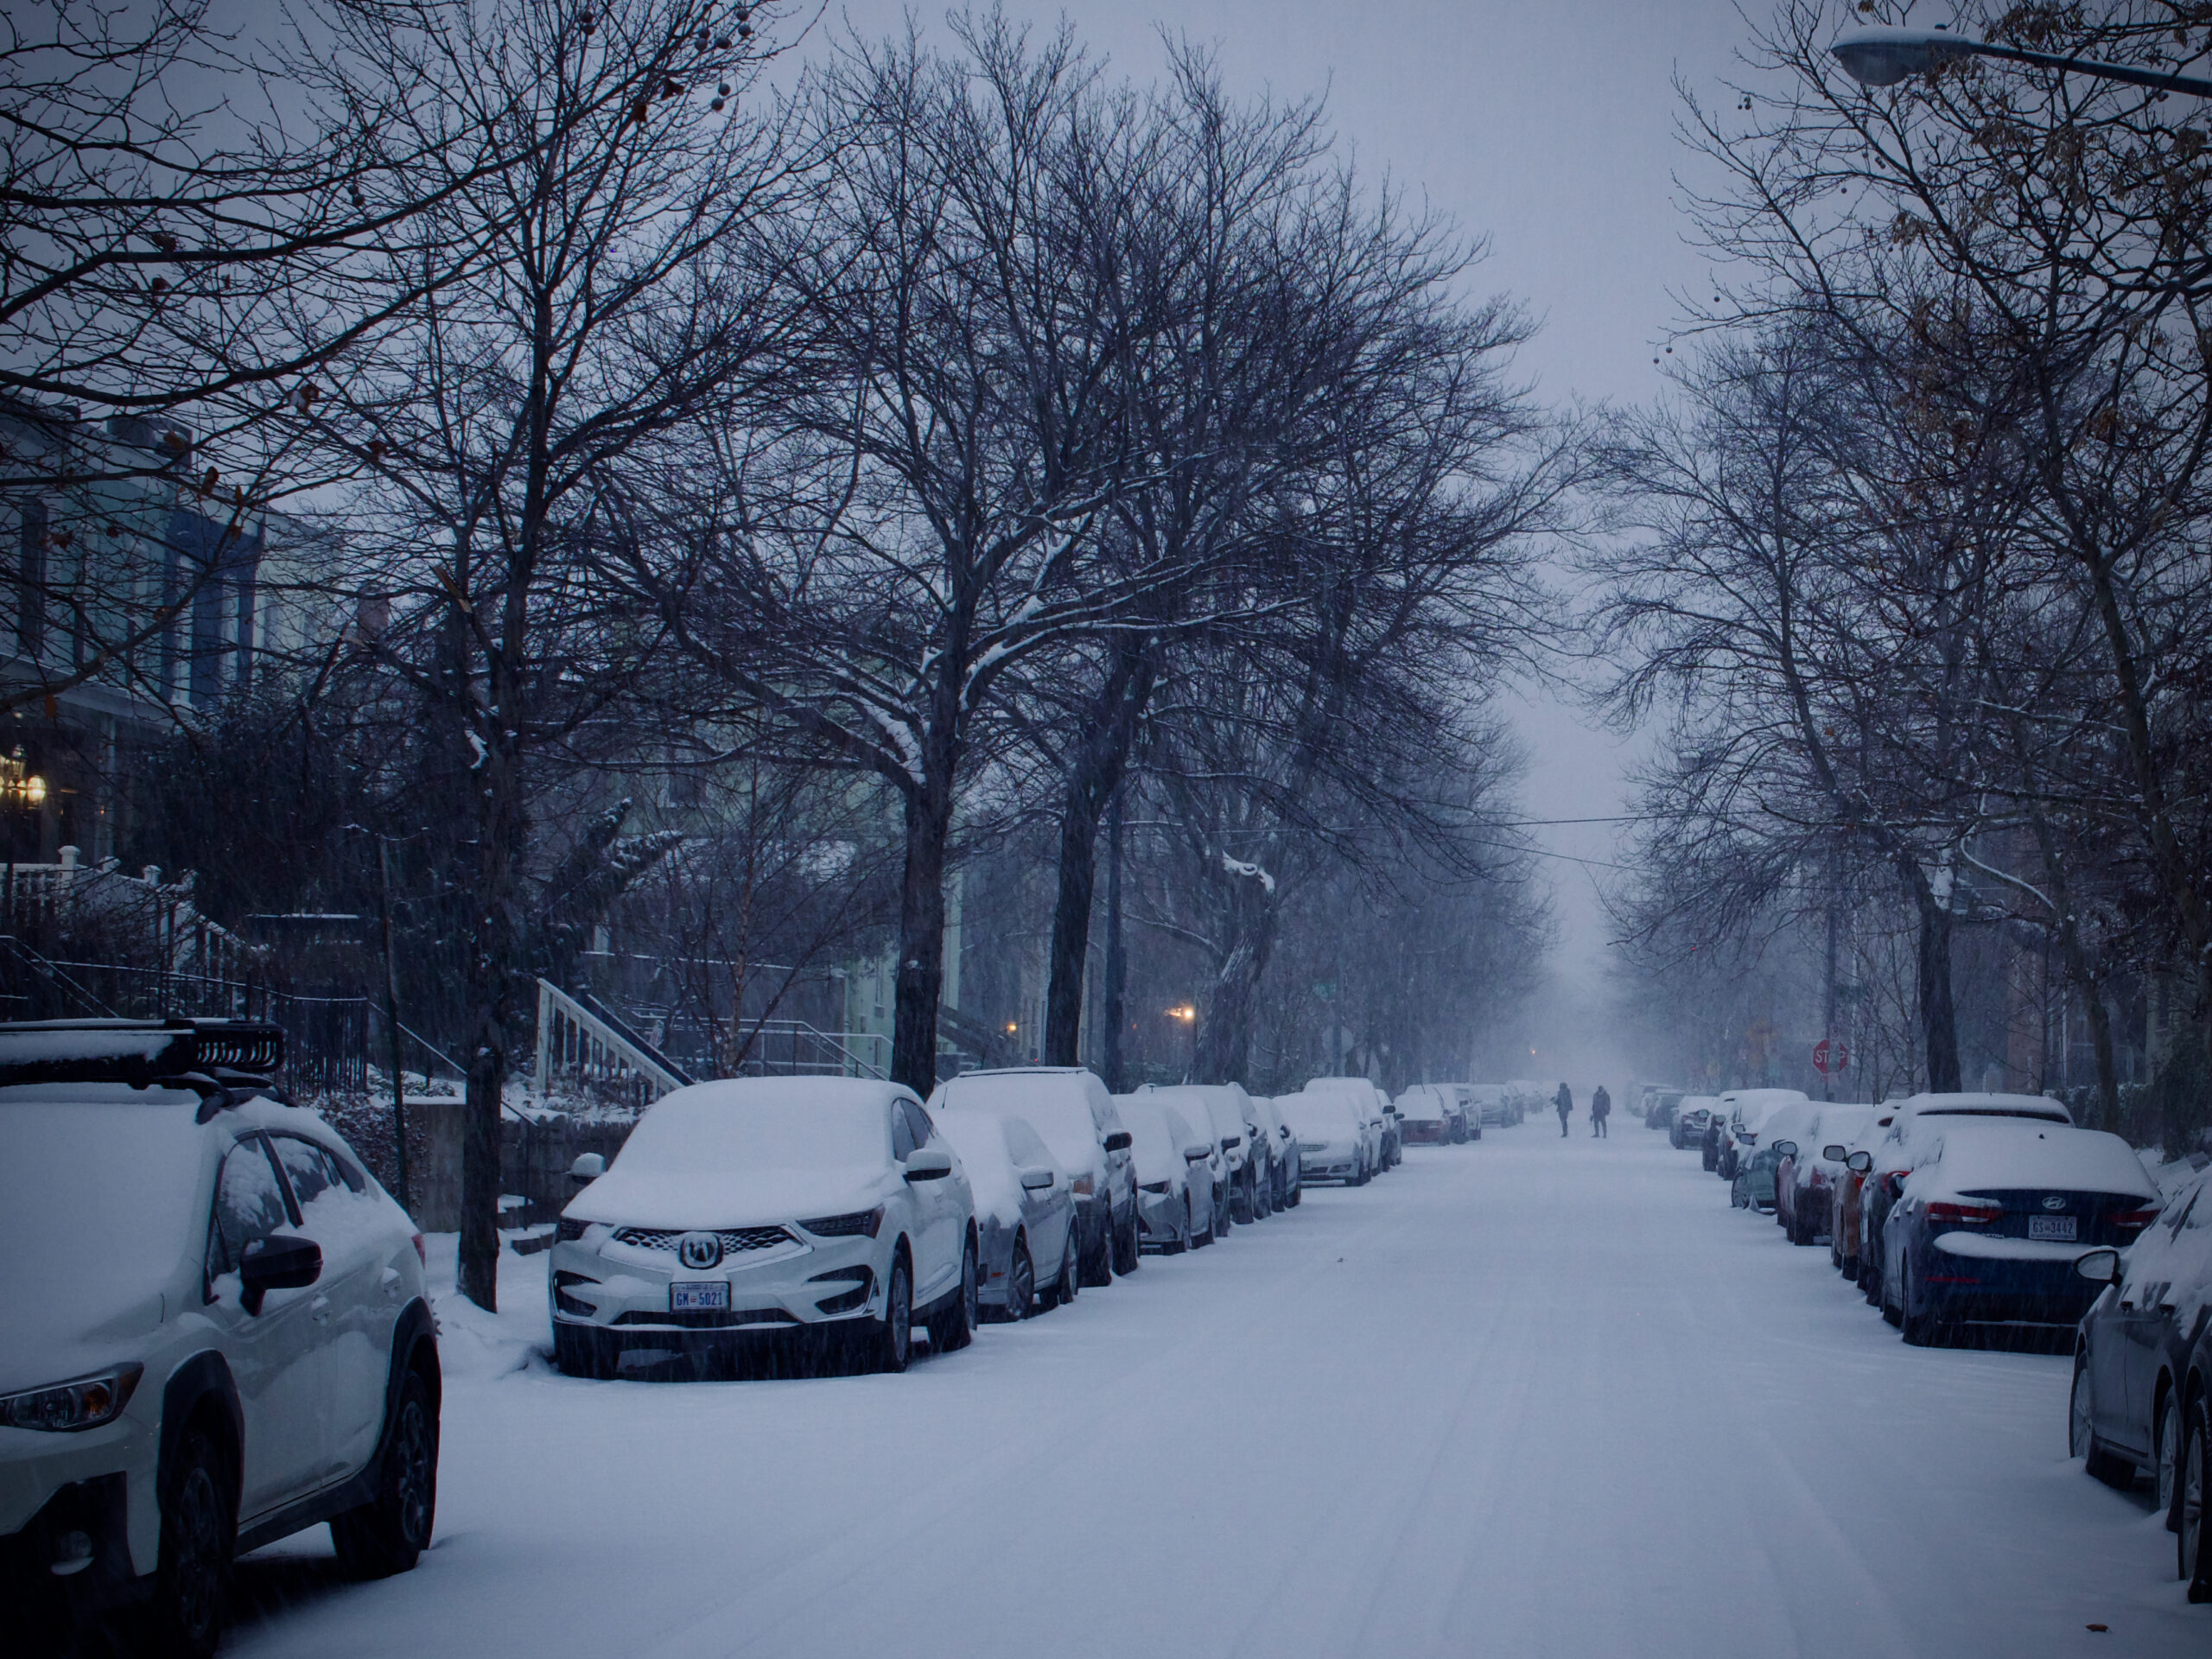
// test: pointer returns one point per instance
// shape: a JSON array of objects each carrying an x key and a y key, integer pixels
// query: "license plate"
[
  {"x": 697, "y": 1298},
  {"x": 2057, "y": 1228}
]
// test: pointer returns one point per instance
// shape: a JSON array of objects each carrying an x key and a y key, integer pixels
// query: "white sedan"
[{"x": 762, "y": 1206}]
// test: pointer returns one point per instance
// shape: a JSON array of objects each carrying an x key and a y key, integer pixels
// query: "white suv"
[
  {"x": 217, "y": 1331},
  {"x": 761, "y": 1207}
]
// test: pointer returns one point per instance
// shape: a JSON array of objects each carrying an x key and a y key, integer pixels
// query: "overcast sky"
[{"x": 1547, "y": 128}]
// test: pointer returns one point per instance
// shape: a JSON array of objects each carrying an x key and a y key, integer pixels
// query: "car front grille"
[
  {"x": 710, "y": 1318},
  {"x": 735, "y": 1240}
]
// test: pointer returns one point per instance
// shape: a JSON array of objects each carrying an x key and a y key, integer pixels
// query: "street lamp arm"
[{"x": 1882, "y": 57}]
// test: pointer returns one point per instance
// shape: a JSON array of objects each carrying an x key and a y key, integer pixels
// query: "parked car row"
[
  {"x": 846, "y": 1212},
  {"x": 1994, "y": 1215},
  {"x": 217, "y": 1334}
]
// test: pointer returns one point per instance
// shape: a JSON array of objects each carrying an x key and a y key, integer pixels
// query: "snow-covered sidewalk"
[{"x": 1529, "y": 1396}]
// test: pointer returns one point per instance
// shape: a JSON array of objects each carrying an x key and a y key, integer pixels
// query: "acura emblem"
[
  {"x": 700, "y": 1250},
  {"x": 2054, "y": 1202}
]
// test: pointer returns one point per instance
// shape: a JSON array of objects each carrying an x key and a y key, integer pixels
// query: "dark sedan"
[
  {"x": 1986, "y": 1230},
  {"x": 2141, "y": 1362}
]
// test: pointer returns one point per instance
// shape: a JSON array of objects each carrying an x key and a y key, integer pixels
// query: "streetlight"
[{"x": 1882, "y": 57}]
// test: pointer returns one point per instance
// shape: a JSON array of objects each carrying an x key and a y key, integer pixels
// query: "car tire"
[
  {"x": 1071, "y": 1282},
  {"x": 1892, "y": 1315},
  {"x": 1020, "y": 1280},
  {"x": 198, "y": 1519},
  {"x": 1923, "y": 1329},
  {"x": 582, "y": 1350},
  {"x": 954, "y": 1328},
  {"x": 2098, "y": 1460},
  {"x": 893, "y": 1340},
  {"x": 2192, "y": 1554},
  {"x": 389, "y": 1534},
  {"x": 1097, "y": 1263},
  {"x": 2166, "y": 1459},
  {"x": 1185, "y": 1235},
  {"x": 1740, "y": 1195},
  {"x": 1128, "y": 1254}
]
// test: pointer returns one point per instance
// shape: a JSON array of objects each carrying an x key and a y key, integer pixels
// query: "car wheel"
[
  {"x": 1096, "y": 1264},
  {"x": 894, "y": 1336},
  {"x": 1071, "y": 1281},
  {"x": 2191, "y": 1555},
  {"x": 2081, "y": 1441},
  {"x": 388, "y": 1534},
  {"x": 1020, "y": 1280},
  {"x": 199, "y": 1528},
  {"x": 1186, "y": 1234},
  {"x": 2169, "y": 1458},
  {"x": 1126, "y": 1253},
  {"x": 1922, "y": 1330},
  {"x": 1882, "y": 1290},
  {"x": 1740, "y": 1195},
  {"x": 954, "y": 1328}
]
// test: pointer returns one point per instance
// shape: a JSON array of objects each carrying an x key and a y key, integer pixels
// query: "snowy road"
[{"x": 1531, "y": 1397}]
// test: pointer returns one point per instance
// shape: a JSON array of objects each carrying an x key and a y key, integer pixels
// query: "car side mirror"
[
  {"x": 1833, "y": 1154},
  {"x": 1197, "y": 1154},
  {"x": 1118, "y": 1141},
  {"x": 1036, "y": 1177},
  {"x": 928, "y": 1164},
  {"x": 587, "y": 1168},
  {"x": 1784, "y": 1150},
  {"x": 277, "y": 1262},
  {"x": 1284, "y": 1131},
  {"x": 1229, "y": 1140},
  {"x": 1860, "y": 1162},
  {"x": 2099, "y": 1267}
]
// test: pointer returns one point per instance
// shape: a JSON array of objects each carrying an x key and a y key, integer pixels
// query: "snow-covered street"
[{"x": 1533, "y": 1395}]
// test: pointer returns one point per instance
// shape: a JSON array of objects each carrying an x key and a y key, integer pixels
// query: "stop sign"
[{"x": 1829, "y": 1055}]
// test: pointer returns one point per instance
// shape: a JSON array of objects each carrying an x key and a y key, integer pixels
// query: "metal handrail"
[{"x": 556, "y": 1005}]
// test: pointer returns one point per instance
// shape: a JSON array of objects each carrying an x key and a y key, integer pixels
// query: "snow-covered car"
[
  {"x": 1744, "y": 1113},
  {"x": 1423, "y": 1121},
  {"x": 1804, "y": 1182},
  {"x": 1759, "y": 1171},
  {"x": 1850, "y": 1185},
  {"x": 1267, "y": 1155},
  {"x": 1365, "y": 1101},
  {"x": 1690, "y": 1116},
  {"x": 1660, "y": 1106},
  {"x": 1913, "y": 1122},
  {"x": 1072, "y": 1112},
  {"x": 1993, "y": 1217},
  {"x": 216, "y": 1331},
  {"x": 1025, "y": 1213},
  {"x": 1330, "y": 1139},
  {"x": 1490, "y": 1100},
  {"x": 2133, "y": 1379},
  {"x": 1222, "y": 1108},
  {"x": 1290, "y": 1181},
  {"x": 766, "y": 1207},
  {"x": 1175, "y": 1167}
]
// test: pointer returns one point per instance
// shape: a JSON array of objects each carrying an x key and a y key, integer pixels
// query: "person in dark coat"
[
  {"x": 1601, "y": 1108},
  {"x": 1564, "y": 1102}
]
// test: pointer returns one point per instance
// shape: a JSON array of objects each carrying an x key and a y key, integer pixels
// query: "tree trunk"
[
  {"x": 1224, "y": 1045},
  {"x": 493, "y": 966},
  {"x": 920, "y": 977},
  {"x": 1116, "y": 1011},
  {"x": 1939, "y": 1025},
  {"x": 1094, "y": 770}
]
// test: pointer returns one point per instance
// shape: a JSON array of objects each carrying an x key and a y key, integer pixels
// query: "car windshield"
[
  {"x": 89, "y": 1189},
  {"x": 708, "y": 1135}
]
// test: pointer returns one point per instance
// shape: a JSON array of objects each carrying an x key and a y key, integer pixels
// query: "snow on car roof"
[
  {"x": 1971, "y": 1103},
  {"x": 1056, "y": 1101},
  {"x": 766, "y": 1122},
  {"x": 1989, "y": 1156},
  {"x": 1423, "y": 1101}
]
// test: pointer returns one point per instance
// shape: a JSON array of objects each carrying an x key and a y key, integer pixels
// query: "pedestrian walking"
[
  {"x": 1564, "y": 1101},
  {"x": 1601, "y": 1108}
]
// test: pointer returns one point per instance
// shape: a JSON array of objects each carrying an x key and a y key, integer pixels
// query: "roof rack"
[{"x": 205, "y": 1054}]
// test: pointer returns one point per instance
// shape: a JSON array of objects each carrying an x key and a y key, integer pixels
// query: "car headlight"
[
  {"x": 570, "y": 1232},
  {"x": 856, "y": 1223},
  {"x": 82, "y": 1402}
]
